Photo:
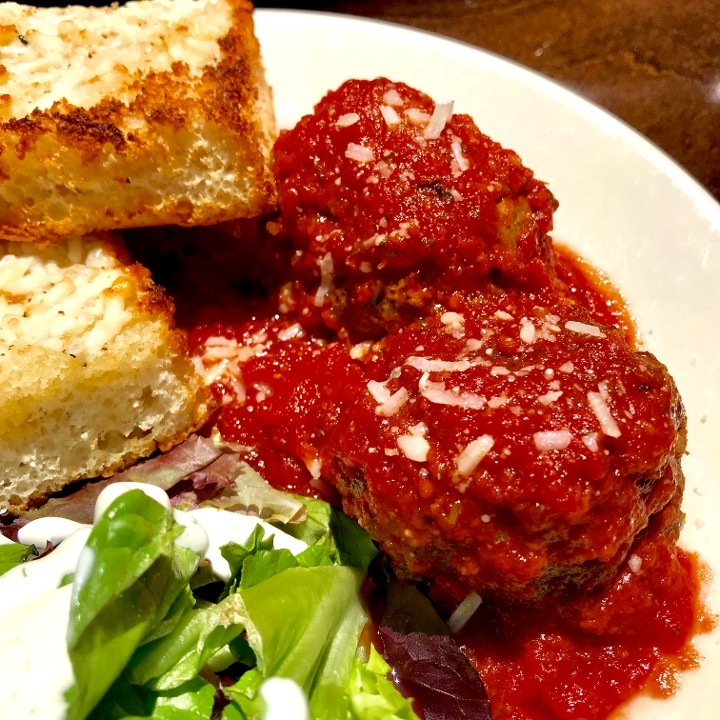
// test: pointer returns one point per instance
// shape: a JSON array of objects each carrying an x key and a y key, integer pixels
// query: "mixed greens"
[{"x": 154, "y": 632}]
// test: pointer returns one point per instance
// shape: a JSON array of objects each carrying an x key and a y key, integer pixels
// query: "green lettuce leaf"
[
  {"x": 372, "y": 695},
  {"x": 303, "y": 624},
  {"x": 194, "y": 700},
  {"x": 345, "y": 541},
  {"x": 129, "y": 577},
  {"x": 178, "y": 657},
  {"x": 13, "y": 554}
]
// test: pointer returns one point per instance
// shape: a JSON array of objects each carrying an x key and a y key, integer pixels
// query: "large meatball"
[
  {"x": 390, "y": 200},
  {"x": 508, "y": 447}
]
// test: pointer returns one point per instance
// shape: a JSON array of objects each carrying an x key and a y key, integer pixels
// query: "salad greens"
[
  {"x": 12, "y": 554},
  {"x": 154, "y": 633},
  {"x": 147, "y": 639}
]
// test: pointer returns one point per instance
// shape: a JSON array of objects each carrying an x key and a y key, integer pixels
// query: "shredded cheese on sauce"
[
  {"x": 528, "y": 333},
  {"x": 390, "y": 115},
  {"x": 388, "y": 403},
  {"x": 584, "y": 328},
  {"x": 473, "y": 453},
  {"x": 417, "y": 117},
  {"x": 347, "y": 120},
  {"x": 392, "y": 98},
  {"x": 441, "y": 114},
  {"x": 424, "y": 364},
  {"x": 326, "y": 274},
  {"x": 435, "y": 392},
  {"x": 547, "y": 440},
  {"x": 414, "y": 446},
  {"x": 459, "y": 163},
  {"x": 598, "y": 404},
  {"x": 359, "y": 153}
]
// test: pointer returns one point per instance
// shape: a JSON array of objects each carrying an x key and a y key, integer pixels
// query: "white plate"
[{"x": 624, "y": 205}]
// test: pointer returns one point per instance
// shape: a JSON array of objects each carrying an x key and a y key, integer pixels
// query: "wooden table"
[{"x": 653, "y": 63}]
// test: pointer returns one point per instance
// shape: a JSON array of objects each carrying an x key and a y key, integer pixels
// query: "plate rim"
[{"x": 703, "y": 199}]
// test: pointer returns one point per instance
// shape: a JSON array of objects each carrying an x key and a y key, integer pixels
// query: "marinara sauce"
[{"x": 385, "y": 222}]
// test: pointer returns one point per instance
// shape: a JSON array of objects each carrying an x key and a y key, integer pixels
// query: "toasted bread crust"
[
  {"x": 95, "y": 373},
  {"x": 174, "y": 146}
]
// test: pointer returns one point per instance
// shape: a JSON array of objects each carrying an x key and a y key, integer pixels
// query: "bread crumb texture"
[
  {"x": 94, "y": 374},
  {"x": 153, "y": 112}
]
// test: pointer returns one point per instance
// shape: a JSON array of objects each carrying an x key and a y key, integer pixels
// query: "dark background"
[{"x": 654, "y": 63}]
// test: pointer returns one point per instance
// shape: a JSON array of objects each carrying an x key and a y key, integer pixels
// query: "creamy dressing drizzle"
[
  {"x": 34, "y": 609},
  {"x": 284, "y": 700}
]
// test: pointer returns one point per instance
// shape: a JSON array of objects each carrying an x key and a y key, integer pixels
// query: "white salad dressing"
[
  {"x": 46, "y": 530},
  {"x": 284, "y": 700},
  {"x": 112, "y": 492},
  {"x": 29, "y": 580},
  {"x": 223, "y": 526},
  {"x": 34, "y": 609},
  {"x": 36, "y": 674}
]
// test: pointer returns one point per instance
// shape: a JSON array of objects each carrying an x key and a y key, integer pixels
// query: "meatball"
[
  {"x": 507, "y": 447},
  {"x": 392, "y": 201}
]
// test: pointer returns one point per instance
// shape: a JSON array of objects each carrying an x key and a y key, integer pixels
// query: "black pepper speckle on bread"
[{"x": 93, "y": 371}]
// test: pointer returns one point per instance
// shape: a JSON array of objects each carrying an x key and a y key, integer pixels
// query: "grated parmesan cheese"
[
  {"x": 590, "y": 441},
  {"x": 347, "y": 120},
  {"x": 417, "y": 117},
  {"x": 463, "y": 612},
  {"x": 598, "y": 404},
  {"x": 390, "y": 115},
  {"x": 454, "y": 322},
  {"x": 292, "y": 331},
  {"x": 550, "y": 397},
  {"x": 326, "y": 274},
  {"x": 547, "y": 440},
  {"x": 393, "y": 403},
  {"x": 72, "y": 298},
  {"x": 392, "y": 98},
  {"x": 528, "y": 333},
  {"x": 424, "y": 364},
  {"x": 359, "y": 153},
  {"x": 81, "y": 53},
  {"x": 414, "y": 447},
  {"x": 435, "y": 392},
  {"x": 441, "y": 114},
  {"x": 473, "y": 453},
  {"x": 584, "y": 328},
  {"x": 459, "y": 162}
]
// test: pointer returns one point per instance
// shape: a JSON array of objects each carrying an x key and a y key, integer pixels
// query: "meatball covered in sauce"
[
  {"x": 511, "y": 448},
  {"x": 391, "y": 200}
]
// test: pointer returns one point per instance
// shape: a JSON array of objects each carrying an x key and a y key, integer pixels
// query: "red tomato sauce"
[
  {"x": 371, "y": 251},
  {"x": 575, "y": 661},
  {"x": 585, "y": 659}
]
